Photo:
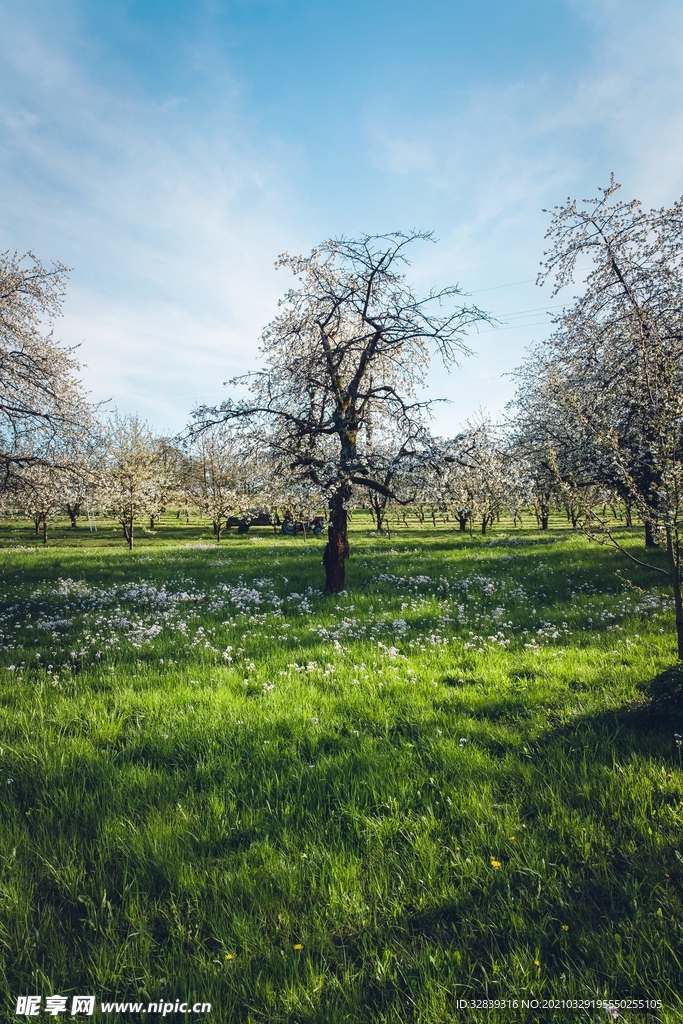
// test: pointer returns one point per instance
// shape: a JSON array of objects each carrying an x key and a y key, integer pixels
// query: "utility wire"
[{"x": 495, "y": 287}]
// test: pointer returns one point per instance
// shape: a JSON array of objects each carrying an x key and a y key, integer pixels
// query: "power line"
[
  {"x": 495, "y": 287},
  {"x": 538, "y": 309},
  {"x": 515, "y": 327}
]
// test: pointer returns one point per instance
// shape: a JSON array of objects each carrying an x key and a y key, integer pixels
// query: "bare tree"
[{"x": 351, "y": 345}]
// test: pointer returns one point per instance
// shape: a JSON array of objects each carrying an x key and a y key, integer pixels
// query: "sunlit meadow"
[{"x": 449, "y": 783}]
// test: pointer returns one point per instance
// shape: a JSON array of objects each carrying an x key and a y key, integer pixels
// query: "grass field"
[{"x": 447, "y": 784}]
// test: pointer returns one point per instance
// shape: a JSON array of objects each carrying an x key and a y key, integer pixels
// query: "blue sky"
[{"x": 169, "y": 151}]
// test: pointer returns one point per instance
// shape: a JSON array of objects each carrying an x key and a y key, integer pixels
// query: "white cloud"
[
  {"x": 171, "y": 226},
  {"x": 501, "y": 153},
  {"x": 172, "y": 209}
]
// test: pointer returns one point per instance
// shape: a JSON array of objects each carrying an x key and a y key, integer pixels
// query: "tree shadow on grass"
[
  {"x": 601, "y": 798},
  {"x": 665, "y": 693}
]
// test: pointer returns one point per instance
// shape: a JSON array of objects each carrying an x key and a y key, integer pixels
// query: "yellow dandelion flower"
[
  {"x": 565, "y": 927},
  {"x": 537, "y": 963},
  {"x": 298, "y": 945},
  {"x": 495, "y": 863},
  {"x": 229, "y": 956},
  {"x": 511, "y": 838}
]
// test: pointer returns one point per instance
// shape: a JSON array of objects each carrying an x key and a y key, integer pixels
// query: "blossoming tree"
[{"x": 351, "y": 345}]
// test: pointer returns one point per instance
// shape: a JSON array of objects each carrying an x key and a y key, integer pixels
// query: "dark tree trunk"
[
  {"x": 337, "y": 547},
  {"x": 73, "y": 511},
  {"x": 128, "y": 532},
  {"x": 673, "y": 557},
  {"x": 45, "y": 530},
  {"x": 484, "y": 524},
  {"x": 627, "y": 515},
  {"x": 463, "y": 522},
  {"x": 544, "y": 519},
  {"x": 378, "y": 512},
  {"x": 650, "y": 539},
  {"x": 37, "y": 523},
  {"x": 217, "y": 529}
]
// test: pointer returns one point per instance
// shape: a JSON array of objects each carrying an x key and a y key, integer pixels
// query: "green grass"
[{"x": 447, "y": 783}]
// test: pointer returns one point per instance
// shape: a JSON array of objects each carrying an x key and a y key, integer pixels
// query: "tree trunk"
[
  {"x": 627, "y": 514},
  {"x": 484, "y": 524},
  {"x": 337, "y": 547},
  {"x": 72, "y": 512},
  {"x": 45, "y": 530},
  {"x": 128, "y": 532},
  {"x": 544, "y": 519},
  {"x": 679, "y": 616},
  {"x": 378, "y": 512},
  {"x": 463, "y": 522},
  {"x": 673, "y": 557},
  {"x": 650, "y": 539}
]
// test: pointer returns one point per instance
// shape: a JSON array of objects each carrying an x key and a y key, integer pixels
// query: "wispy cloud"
[
  {"x": 497, "y": 153},
  {"x": 171, "y": 225},
  {"x": 172, "y": 202}
]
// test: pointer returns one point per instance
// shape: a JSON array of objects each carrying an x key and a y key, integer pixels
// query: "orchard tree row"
[{"x": 126, "y": 472}]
